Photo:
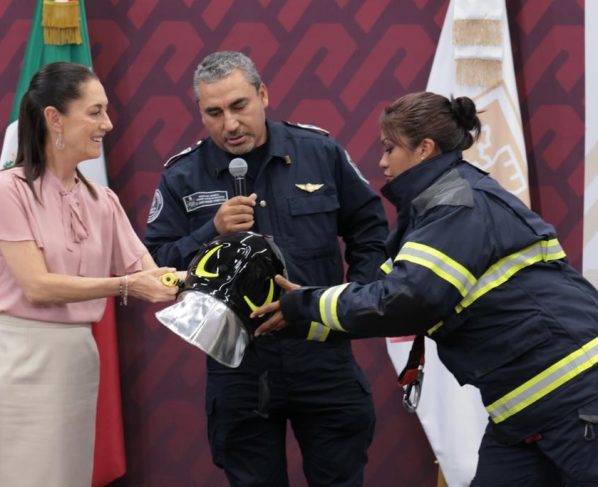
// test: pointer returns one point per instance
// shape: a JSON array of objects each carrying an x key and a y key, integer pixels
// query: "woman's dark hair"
[
  {"x": 452, "y": 124},
  {"x": 57, "y": 85}
]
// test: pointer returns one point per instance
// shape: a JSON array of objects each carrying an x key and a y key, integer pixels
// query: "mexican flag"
[
  {"x": 37, "y": 54},
  {"x": 473, "y": 59},
  {"x": 70, "y": 42}
]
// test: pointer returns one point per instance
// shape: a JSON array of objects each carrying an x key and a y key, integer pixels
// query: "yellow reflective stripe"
[
  {"x": 387, "y": 266},
  {"x": 545, "y": 382},
  {"x": 552, "y": 250},
  {"x": 501, "y": 271},
  {"x": 507, "y": 267},
  {"x": 317, "y": 332},
  {"x": 328, "y": 305},
  {"x": 441, "y": 264},
  {"x": 435, "y": 327}
]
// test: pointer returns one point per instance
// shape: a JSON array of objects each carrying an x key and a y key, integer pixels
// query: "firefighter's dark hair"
[{"x": 453, "y": 124}]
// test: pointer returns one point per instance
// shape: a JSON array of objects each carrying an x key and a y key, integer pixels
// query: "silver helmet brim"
[{"x": 208, "y": 324}]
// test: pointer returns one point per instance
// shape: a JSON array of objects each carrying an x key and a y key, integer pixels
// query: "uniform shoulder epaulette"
[
  {"x": 308, "y": 126},
  {"x": 176, "y": 157}
]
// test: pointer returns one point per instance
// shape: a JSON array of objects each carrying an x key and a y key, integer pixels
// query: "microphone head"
[{"x": 237, "y": 167}]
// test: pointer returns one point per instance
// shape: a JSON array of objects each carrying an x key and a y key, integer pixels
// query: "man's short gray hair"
[{"x": 220, "y": 64}]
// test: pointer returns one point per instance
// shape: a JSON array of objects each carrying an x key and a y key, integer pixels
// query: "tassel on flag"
[
  {"x": 477, "y": 43},
  {"x": 61, "y": 22}
]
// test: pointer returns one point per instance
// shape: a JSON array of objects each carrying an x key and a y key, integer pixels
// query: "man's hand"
[
  {"x": 235, "y": 215},
  {"x": 276, "y": 321}
]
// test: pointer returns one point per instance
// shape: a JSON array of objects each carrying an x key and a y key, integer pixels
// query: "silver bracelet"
[{"x": 123, "y": 290}]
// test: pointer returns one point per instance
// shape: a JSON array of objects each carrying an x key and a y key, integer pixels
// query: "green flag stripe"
[{"x": 37, "y": 54}]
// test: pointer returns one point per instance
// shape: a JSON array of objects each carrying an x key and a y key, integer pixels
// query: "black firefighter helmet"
[{"x": 229, "y": 277}]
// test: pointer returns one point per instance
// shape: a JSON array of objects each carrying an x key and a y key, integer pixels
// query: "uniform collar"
[
  {"x": 277, "y": 148},
  {"x": 406, "y": 186},
  {"x": 277, "y": 134}
]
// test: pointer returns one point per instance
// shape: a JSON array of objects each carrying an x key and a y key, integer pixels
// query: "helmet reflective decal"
[
  {"x": 200, "y": 270},
  {"x": 238, "y": 269},
  {"x": 226, "y": 280},
  {"x": 269, "y": 298}
]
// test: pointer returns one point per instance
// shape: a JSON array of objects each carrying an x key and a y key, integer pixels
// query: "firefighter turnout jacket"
[{"x": 486, "y": 278}]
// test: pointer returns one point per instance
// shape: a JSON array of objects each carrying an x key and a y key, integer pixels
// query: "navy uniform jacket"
[
  {"x": 487, "y": 279},
  {"x": 309, "y": 193}
]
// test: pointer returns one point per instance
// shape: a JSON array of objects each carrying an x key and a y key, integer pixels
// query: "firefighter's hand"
[
  {"x": 235, "y": 215},
  {"x": 276, "y": 321}
]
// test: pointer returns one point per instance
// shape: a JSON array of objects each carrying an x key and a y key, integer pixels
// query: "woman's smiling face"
[{"x": 86, "y": 121}]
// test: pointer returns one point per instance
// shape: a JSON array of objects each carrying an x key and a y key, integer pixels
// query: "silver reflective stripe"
[
  {"x": 328, "y": 304},
  {"x": 545, "y": 382},
  {"x": 507, "y": 267},
  {"x": 441, "y": 264},
  {"x": 317, "y": 332}
]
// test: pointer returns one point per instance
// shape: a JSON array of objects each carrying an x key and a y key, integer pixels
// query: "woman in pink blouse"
[{"x": 61, "y": 238}]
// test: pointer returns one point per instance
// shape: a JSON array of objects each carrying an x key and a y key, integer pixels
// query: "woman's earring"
[{"x": 59, "y": 142}]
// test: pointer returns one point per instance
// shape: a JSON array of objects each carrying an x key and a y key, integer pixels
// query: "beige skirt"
[{"x": 49, "y": 375}]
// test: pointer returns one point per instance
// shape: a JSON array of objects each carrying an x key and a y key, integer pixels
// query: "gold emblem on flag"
[
  {"x": 497, "y": 150},
  {"x": 309, "y": 187}
]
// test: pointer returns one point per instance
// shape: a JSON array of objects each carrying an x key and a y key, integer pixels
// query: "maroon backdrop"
[{"x": 333, "y": 63}]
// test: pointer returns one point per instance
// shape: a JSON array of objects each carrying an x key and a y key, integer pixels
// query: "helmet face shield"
[{"x": 230, "y": 277}]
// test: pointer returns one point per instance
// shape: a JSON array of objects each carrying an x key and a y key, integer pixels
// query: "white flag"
[
  {"x": 590, "y": 223},
  {"x": 473, "y": 59}
]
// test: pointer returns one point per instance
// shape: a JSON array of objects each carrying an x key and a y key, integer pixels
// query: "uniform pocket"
[
  {"x": 214, "y": 436},
  {"x": 313, "y": 220},
  {"x": 589, "y": 418},
  {"x": 587, "y": 448},
  {"x": 310, "y": 205},
  {"x": 511, "y": 341}
]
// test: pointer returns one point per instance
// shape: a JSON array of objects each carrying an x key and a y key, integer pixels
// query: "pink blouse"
[{"x": 78, "y": 236}]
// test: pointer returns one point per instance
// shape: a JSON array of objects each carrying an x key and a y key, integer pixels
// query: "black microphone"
[{"x": 238, "y": 169}]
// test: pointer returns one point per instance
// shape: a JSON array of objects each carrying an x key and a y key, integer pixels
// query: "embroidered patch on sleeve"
[
  {"x": 202, "y": 199},
  {"x": 156, "y": 208}
]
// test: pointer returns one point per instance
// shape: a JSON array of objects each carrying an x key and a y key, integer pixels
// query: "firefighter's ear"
[{"x": 427, "y": 149}]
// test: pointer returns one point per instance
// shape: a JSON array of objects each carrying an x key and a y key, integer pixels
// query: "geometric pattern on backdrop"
[{"x": 334, "y": 64}]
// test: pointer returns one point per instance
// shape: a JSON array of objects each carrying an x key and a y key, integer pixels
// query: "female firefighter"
[{"x": 486, "y": 278}]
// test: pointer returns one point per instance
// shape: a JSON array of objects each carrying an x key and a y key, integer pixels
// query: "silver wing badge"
[{"x": 309, "y": 187}]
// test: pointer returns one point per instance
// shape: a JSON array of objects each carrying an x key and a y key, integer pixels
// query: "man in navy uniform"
[{"x": 303, "y": 190}]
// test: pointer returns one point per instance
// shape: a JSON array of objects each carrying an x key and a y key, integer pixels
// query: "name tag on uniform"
[{"x": 200, "y": 200}]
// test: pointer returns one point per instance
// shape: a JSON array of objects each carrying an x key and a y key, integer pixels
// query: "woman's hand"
[
  {"x": 148, "y": 285},
  {"x": 276, "y": 321}
]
